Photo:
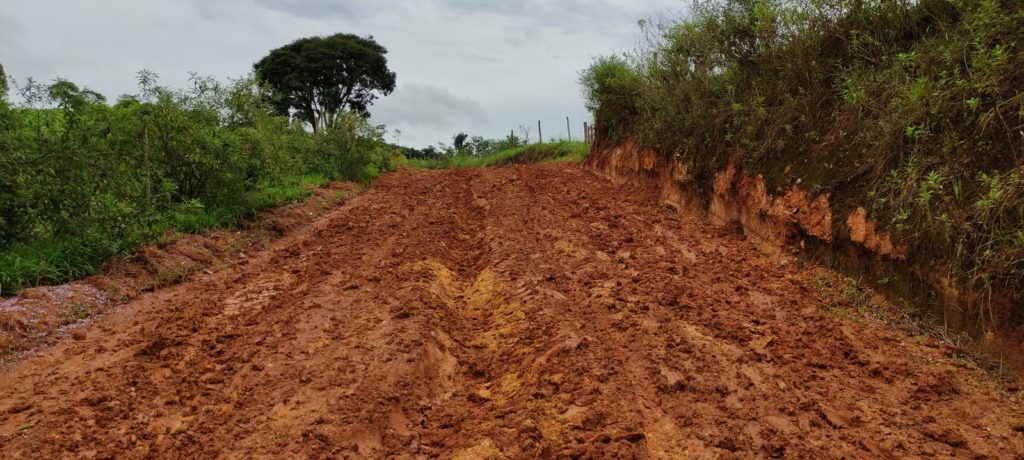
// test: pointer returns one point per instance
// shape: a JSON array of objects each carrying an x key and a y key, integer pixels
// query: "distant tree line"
[{"x": 465, "y": 145}]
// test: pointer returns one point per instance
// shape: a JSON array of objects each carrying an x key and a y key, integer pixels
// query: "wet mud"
[{"x": 517, "y": 312}]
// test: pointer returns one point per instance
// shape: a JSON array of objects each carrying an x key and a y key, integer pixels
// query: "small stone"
[
  {"x": 834, "y": 418},
  {"x": 19, "y": 408},
  {"x": 403, "y": 314},
  {"x": 481, "y": 396},
  {"x": 79, "y": 335},
  {"x": 634, "y": 437}
]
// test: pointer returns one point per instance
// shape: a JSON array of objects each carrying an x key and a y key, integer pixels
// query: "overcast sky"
[{"x": 482, "y": 67}]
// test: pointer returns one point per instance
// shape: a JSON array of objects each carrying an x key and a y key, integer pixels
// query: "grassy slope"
[{"x": 65, "y": 259}]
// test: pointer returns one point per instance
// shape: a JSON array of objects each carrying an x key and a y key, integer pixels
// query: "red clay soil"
[
  {"x": 519, "y": 312},
  {"x": 38, "y": 316}
]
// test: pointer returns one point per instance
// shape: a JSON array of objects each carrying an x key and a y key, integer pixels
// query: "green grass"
[
  {"x": 194, "y": 218},
  {"x": 555, "y": 152},
  {"x": 43, "y": 262},
  {"x": 61, "y": 260}
]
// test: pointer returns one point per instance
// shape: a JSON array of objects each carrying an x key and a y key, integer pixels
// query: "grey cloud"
[
  {"x": 566, "y": 15},
  {"x": 10, "y": 31},
  {"x": 344, "y": 9},
  {"x": 543, "y": 12},
  {"x": 8, "y": 26},
  {"x": 417, "y": 105}
]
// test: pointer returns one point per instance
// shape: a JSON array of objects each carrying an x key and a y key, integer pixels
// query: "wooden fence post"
[
  {"x": 568, "y": 128},
  {"x": 540, "y": 136}
]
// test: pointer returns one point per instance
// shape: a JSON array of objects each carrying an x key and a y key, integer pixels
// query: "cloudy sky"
[{"x": 480, "y": 66}]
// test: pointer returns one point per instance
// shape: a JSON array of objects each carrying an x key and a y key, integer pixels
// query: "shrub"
[
  {"x": 82, "y": 180},
  {"x": 611, "y": 88}
]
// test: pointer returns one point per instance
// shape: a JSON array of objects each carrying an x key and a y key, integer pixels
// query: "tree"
[
  {"x": 315, "y": 79},
  {"x": 3, "y": 82},
  {"x": 459, "y": 141},
  {"x": 431, "y": 152}
]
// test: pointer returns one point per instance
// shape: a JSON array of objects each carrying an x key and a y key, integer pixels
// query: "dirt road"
[{"x": 521, "y": 312}]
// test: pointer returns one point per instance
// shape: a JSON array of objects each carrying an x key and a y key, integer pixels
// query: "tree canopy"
[
  {"x": 3, "y": 81},
  {"x": 316, "y": 78},
  {"x": 460, "y": 141}
]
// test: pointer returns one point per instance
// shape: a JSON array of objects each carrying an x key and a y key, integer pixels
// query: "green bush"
[
  {"x": 612, "y": 88},
  {"x": 82, "y": 180}
]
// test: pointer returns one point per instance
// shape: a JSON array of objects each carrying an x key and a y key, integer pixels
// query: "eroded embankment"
[{"x": 792, "y": 220}]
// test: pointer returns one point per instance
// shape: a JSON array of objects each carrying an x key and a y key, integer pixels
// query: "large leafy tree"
[{"x": 317, "y": 78}]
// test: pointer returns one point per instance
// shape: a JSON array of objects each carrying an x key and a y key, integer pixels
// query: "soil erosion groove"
[{"x": 516, "y": 312}]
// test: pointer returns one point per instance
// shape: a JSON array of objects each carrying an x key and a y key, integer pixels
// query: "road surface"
[{"x": 518, "y": 312}]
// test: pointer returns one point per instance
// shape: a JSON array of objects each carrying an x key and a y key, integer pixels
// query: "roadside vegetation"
[
  {"x": 83, "y": 179},
  {"x": 913, "y": 109},
  {"x": 503, "y": 153}
]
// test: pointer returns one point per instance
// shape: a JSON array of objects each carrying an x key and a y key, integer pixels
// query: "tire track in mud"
[
  {"x": 521, "y": 312},
  {"x": 500, "y": 389},
  {"x": 484, "y": 319}
]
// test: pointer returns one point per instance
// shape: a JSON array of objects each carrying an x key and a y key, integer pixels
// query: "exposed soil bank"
[{"x": 791, "y": 220}]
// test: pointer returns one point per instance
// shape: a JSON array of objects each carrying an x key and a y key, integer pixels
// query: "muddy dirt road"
[{"x": 521, "y": 312}]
